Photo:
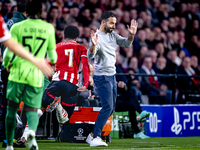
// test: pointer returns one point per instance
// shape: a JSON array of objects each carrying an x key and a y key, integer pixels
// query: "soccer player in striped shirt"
[{"x": 71, "y": 58}]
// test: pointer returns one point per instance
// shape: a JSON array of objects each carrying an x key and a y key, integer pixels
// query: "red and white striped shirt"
[
  {"x": 71, "y": 56},
  {"x": 4, "y": 32}
]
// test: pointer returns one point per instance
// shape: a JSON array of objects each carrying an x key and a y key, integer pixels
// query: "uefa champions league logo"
[
  {"x": 176, "y": 127},
  {"x": 80, "y": 131},
  {"x": 80, "y": 135}
]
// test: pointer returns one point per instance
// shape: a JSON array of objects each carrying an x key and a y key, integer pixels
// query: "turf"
[{"x": 176, "y": 143}]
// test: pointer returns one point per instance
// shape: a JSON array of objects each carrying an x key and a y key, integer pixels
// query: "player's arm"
[
  {"x": 7, "y": 57},
  {"x": 51, "y": 50},
  {"x": 86, "y": 71}
]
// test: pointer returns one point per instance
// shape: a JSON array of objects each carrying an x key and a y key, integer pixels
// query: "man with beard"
[{"x": 103, "y": 48}]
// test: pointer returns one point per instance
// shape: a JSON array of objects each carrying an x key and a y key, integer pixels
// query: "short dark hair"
[
  {"x": 22, "y": 5},
  {"x": 34, "y": 7},
  {"x": 107, "y": 14},
  {"x": 130, "y": 69},
  {"x": 71, "y": 32}
]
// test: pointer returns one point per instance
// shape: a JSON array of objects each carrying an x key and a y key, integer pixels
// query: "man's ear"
[{"x": 103, "y": 21}]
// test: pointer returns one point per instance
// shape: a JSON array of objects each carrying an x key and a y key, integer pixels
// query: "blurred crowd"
[{"x": 167, "y": 41}]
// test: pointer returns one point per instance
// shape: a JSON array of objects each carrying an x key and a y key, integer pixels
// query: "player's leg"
[
  {"x": 14, "y": 93},
  {"x": 51, "y": 96},
  {"x": 105, "y": 86},
  {"x": 69, "y": 99},
  {"x": 32, "y": 102},
  {"x": 10, "y": 122},
  {"x": 39, "y": 111}
]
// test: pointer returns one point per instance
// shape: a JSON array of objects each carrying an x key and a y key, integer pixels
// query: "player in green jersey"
[{"x": 25, "y": 80}]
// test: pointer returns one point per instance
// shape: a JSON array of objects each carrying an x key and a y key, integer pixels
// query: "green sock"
[
  {"x": 33, "y": 120},
  {"x": 10, "y": 124}
]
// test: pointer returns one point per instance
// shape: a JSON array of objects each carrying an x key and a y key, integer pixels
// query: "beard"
[{"x": 108, "y": 29}]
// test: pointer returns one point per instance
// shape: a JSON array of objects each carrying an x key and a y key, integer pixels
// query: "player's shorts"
[
  {"x": 46, "y": 83},
  {"x": 64, "y": 89},
  {"x": 31, "y": 96}
]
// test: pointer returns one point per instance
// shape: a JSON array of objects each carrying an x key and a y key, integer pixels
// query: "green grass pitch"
[{"x": 175, "y": 143}]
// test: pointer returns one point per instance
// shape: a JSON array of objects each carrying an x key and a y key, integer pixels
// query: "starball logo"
[{"x": 176, "y": 127}]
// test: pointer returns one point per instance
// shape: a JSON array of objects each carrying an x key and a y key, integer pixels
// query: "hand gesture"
[
  {"x": 94, "y": 38},
  {"x": 43, "y": 65},
  {"x": 121, "y": 84},
  {"x": 81, "y": 89},
  {"x": 133, "y": 28}
]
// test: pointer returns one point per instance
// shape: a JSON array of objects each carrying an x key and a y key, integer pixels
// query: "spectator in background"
[
  {"x": 86, "y": 33},
  {"x": 181, "y": 54},
  {"x": 133, "y": 64},
  {"x": 153, "y": 54},
  {"x": 155, "y": 6},
  {"x": 126, "y": 5},
  {"x": 127, "y": 53},
  {"x": 161, "y": 65},
  {"x": 99, "y": 13},
  {"x": 59, "y": 33},
  {"x": 159, "y": 47},
  {"x": 85, "y": 16},
  {"x": 13, "y": 10},
  {"x": 150, "y": 38},
  {"x": 65, "y": 18},
  {"x": 186, "y": 83},
  {"x": 150, "y": 84},
  {"x": 182, "y": 24},
  {"x": 133, "y": 14},
  {"x": 126, "y": 18},
  {"x": 173, "y": 61},
  {"x": 195, "y": 28},
  {"x": 194, "y": 64},
  {"x": 181, "y": 40},
  {"x": 6, "y": 9},
  {"x": 163, "y": 12},
  {"x": 170, "y": 42},
  {"x": 121, "y": 27},
  {"x": 52, "y": 14},
  {"x": 165, "y": 25},
  {"x": 172, "y": 24},
  {"x": 44, "y": 12},
  {"x": 141, "y": 37},
  {"x": 143, "y": 51},
  {"x": 158, "y": 34},
  {"x": 74, "y": 12},
  {"x": 133, "y": 3},
  {"x": 145, "y": 18}
]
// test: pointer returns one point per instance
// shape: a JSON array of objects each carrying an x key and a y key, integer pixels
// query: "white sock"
[
  {"x": 9, "y": 148},
  {"x": 59, "y": 107},
  {"x": 40, "y": 113}
]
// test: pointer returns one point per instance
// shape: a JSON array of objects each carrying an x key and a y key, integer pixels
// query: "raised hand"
[
  {"x": 94, "y": 39},
  {"x": 133, "y": 27}
]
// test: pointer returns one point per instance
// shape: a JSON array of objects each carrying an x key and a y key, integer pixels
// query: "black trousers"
[
  {"x": 4, "y": 78},
  {"x": 122, "y": 105}
]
